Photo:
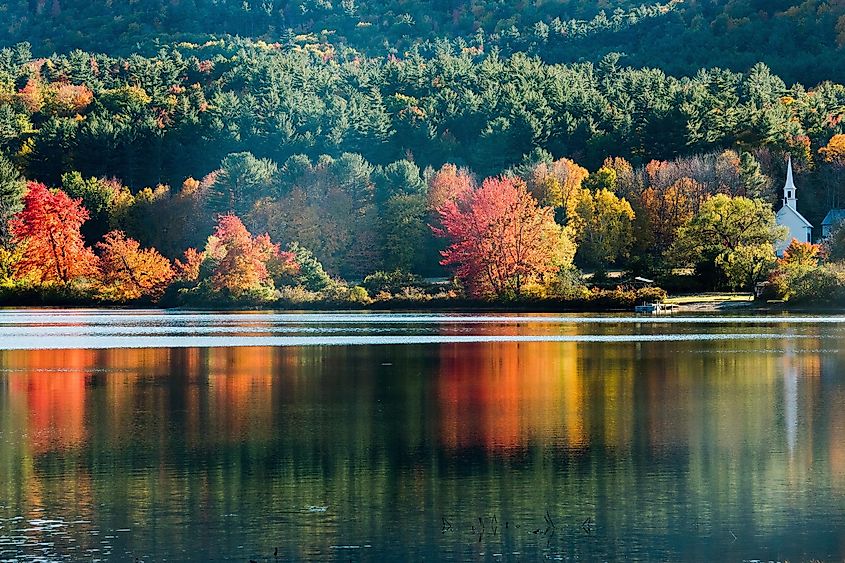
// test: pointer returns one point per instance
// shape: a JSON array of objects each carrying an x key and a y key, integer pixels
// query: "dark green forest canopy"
[
  {"x": 800, "y": 40},
  {"x": 178, "y": 114}
]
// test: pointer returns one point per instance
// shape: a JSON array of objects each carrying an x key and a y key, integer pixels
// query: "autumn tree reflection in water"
[
  {"x": 667, "y": 446},
  {"x": 503, "y": 396}
]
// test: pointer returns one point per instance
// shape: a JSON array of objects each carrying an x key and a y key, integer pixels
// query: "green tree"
[
  {"x": 747, "y": 264},
  {"x": 12, "y": 188},
  {"x": 97, "y": 197},
  {"x": 728, "y": 233},
  {"x": 602, "y": 179},
  {"x": 311, "y": 274},
  {"x": 755, "y": 184},
  {"x": 241, "y": 181},
  {"x": 399, "y": 178},
  {"x": 405, "y": 232}
]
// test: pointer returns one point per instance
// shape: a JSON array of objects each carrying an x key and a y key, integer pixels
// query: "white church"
[{"x": 788, "y": 216}]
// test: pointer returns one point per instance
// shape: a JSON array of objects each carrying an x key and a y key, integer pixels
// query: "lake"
[{"x": 191, "y": 436}]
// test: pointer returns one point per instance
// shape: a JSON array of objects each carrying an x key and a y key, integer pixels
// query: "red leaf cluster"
[
  {"x": 48, "y": 227},
  {"x": 501, "y": 238}
]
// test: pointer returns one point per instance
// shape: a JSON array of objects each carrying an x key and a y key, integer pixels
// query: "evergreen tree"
[
  {"x": 241, "y": 181},
  {"x": 12, "y": 188}
]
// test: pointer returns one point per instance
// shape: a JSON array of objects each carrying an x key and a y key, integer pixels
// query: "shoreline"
[{"x": 687, "y": 305}]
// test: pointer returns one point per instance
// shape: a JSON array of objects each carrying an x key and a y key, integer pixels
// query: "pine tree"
[{"x": 11, "y": 196}]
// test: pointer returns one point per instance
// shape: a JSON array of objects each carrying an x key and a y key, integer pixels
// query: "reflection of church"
[{"x": 799, "y": 228}]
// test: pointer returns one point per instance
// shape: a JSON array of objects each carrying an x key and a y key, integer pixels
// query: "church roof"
[
  {"x": 833, "y": 217},
  {"x": 787, "y": 209}
]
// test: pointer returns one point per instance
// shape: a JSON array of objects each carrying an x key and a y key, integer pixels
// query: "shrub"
[
  {"x": 568, "y": 284},
  {"x": 392, "y": 282},
  {"x": 298, "y": 295},
  {"x": 341, "y": 293},
  {"x": 824, "y": 284},
  {"x": 651, "y": 294}
]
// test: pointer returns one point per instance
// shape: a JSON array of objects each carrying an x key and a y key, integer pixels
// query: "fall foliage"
[
  {"x": 557, "y": 184},
  {"x": 188, "y": 268},
  {"x": 603, "y": 225},
  {"x": 345, "y": 134},
  {"x": 735, "y": 234},
  {"x": 501, "y": 239},
  {"x": 130, "y": 272},
  {"x": 834, "y": 150},
  {"x": 802, "y": 254},
  {"x": 448, "y": 183},
  {"x": 801, "y": 274},
  {"x": 242, "y": 263},
  {"x": 49, "y": 228},
  {"x": 669, "y": 208}
]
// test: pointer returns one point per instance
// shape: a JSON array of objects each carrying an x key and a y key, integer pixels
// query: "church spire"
[{"x": 789, "y": 195}]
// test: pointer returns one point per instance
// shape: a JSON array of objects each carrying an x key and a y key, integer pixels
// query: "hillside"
[
  {"x": 349, "y": 135},
  {"x": 800, "y": 41}
]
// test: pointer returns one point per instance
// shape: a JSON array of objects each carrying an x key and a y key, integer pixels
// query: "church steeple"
[{"x": 789, "y": 195}]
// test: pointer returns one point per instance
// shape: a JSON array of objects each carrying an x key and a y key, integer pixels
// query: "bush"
[
  {"x": 393, "y": 282},
  {"x": 341, "y": 293},
  {"x": 625, "y": 299},
  {"x": 651, "y": 294},
  {"x": 824, "y": 284},
  {"x": 568, "y": 284},
  {"x": 297, "y": 295},
  {"x": 22, "y": 292}
]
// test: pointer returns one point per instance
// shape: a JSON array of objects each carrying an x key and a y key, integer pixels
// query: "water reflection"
[{"x": 666, "y": 449}]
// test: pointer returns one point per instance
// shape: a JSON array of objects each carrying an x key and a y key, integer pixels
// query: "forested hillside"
[
  {"x": 362, "y": 145},
  {"x": 801, "y": 41},
  {"x": 162, "y": 119}
]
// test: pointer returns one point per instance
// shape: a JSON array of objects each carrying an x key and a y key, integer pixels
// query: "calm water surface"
[{"x": 198, "y": 437}]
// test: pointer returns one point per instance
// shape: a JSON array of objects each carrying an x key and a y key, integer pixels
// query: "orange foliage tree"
[
  {"x": 798, "y": 269},
  {"x": 243, "y": 263},
  {"x": 557, "y": 184},
  {"x": 68, "y": 99},
  {"x": 48, "y": 228},
  {"x": 448, "y": 183},
  {"x": 802, "y": 254},
  {"x": 130, "y": 272},
  {"x": 834, "y": 151},
  {"x": 32, "y": 96},
  {"x": 502, "y": 240},
  {"x": 188, "y": 269},
  {"x": 669, "y": 208}
]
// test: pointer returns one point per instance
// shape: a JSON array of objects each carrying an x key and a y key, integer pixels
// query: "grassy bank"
[{"x": 588, "y": 301}]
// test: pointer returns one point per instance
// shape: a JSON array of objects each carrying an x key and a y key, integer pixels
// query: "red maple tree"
[
  {"x": 501, "y": 238},
  {"x": 48, "y": 228}
]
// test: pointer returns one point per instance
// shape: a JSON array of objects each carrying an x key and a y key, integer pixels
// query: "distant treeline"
[
  {"x": 801, "y": 40},
  {"x": 178, "y": 114}
]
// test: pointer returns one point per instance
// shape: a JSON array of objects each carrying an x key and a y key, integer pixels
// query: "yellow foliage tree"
[
  {"x": 130, "y": 272},
  {"x": 834, "y": 151},
  {"x": 603, "y": 224},
  {"x": 557, "y": 184}
]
